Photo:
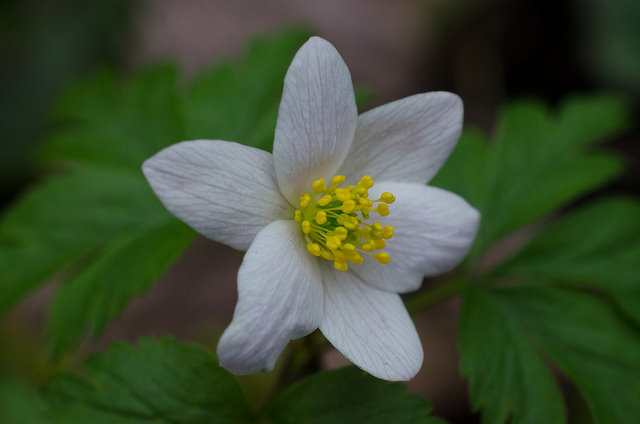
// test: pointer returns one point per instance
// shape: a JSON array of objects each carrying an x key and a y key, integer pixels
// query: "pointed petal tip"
[
  {"x": 370, "y": 327},
  {"x": 393, "y": 374}
]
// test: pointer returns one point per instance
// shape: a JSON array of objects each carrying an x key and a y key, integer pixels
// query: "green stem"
[{"x": 427, "y": 299}]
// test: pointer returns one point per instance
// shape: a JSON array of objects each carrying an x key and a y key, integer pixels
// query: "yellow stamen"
[
  {"x": 382, "y": 257},
  {"x": 338, "y": 179},
  {"x": 318, "y": 186},
  {"x": 382, "y": 209},
  {"x": 387, "y": 197},
  {"x": 306, "y": 227},
  {"x": 333, "y": 221},
  {"x": 321, "y": 217}
]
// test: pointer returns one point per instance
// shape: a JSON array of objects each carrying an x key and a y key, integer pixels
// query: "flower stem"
[{"x": 427, "y": 299}]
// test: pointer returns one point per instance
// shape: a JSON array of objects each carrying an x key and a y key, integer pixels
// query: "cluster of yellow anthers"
[{"x": 332, "y": 221}]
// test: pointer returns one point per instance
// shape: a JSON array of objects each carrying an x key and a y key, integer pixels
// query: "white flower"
[{"x": 293, "y": 278}]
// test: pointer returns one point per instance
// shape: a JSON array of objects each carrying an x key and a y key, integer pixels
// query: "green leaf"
[
  {"x": 125, "y": 268},
  {"x": 507, "y": 376},
  {"x": 538, "y": 162},
  {"x": 158, "y": 381},
  {"x": 20, "y": 403},
  {"x": 63, "y": 219},
  {"x": 582, "y": 334},
  {"x": 463, "y": 171},
  {"x": 598, "y": 245},
  {"x": 118, "y": 125},
  {"x": 590, "y": 343},
  {"x": 349, "y": 395},
  {"x": 239, "y": 102}
]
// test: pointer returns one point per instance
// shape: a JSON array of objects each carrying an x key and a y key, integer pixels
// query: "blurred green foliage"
[
  {"x": 20, "y": 403},
  {"x": 99, "y": 219},
  {"x": 568, "y": 292},
  {"x": 158, "y": 381},
  {"x": 349, "y": 395},
  {"x": 538, "y": 161},
  {"x": 166, "y": 381}
]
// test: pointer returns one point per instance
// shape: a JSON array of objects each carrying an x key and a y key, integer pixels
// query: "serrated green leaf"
[
  {"x": 582, "y": 334},
  {"x": 508, "y": 380},
  {"x": 59, "y": 221},
  {"x": 158, "y": 381},
  {"x": 598, "y": 245},
  {"x": 538, "y": 162},
  {"x": 117, "y": 124},
  {"x": 349, "y": 396},
  {"x": 589, "y": 341},
  {"x": 123, "y": 269},
  {"x": 536, "y": 167}
]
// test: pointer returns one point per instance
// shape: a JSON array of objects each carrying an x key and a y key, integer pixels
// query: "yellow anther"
[
  {"x": 349, "y": 222},
  {"x": 377, "y": 226},
  {"x": 387, "y": 231},
  {"x": 340, "y": 265},
  {"x": 365, "y": 202},
  {"x": 318, "y": 186},
  {"x": 348, "y": 206},
  {"x": 387, "y": 197},
  {"x": 306, "y": 227},
  {"x": 360, "y": 191},
  {"x": 314, "y": 249},
  {"x": 297, "y": 215},
  {"x": 338, "y": 179},
  {"x": 327, "y": 255},
  {"x": 343, "y": 194},
  {"x": 341, "y": 230},
  {"x": 304, "y": 200},
  {"x": 382, "y": 209},
  {"x": 369, "y": 246},
  {"x": 340, "y": 256},
  {"x": 325, "y": 200},
  {"x": 333, "y": 242},
  {"x": 380, "y": 244},
  {"x": 382, "y": 257},
  {"x": 356, "y": 259},
  {"x": 348, "y": 248},
  {"x": 321, "y": 217},
  {"x": 366, "y": 181}
]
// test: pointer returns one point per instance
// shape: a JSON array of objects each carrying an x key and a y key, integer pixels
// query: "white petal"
[
  {"x": 407, "y": 140},
  {"x": 433, "y": 228},
  {"x": 389, "y": 277},
  {"x": 223, "y": 190},
  {"x": 317, "y": 118},
  {"x": 280, "y": 298},
  {"x": 370, "y": 327}
]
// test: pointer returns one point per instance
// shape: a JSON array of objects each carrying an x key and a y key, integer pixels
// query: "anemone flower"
[{"x": 326, "y": 247}]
